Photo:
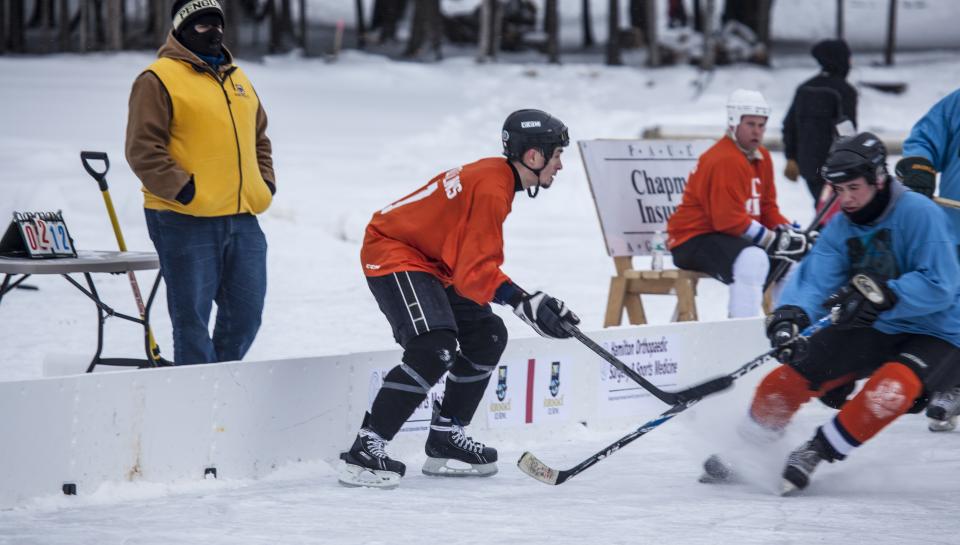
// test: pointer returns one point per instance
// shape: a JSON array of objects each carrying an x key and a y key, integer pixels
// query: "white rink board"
[{"x": 247, "y": 418}]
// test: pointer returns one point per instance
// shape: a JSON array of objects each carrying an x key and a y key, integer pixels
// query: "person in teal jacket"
[
  {"x": 886, "y": 273},
  {"x": 934, "y": 146}
]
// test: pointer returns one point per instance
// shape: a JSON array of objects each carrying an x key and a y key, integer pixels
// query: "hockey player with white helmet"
[
  {"x": 886, "y": 272},
  {"x": 728, "y": 224},
  {"x": 432, "y": 261}
]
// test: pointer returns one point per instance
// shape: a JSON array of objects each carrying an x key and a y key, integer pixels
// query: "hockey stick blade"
[
  {"x": 532, "y": 466},
  {"x": 705, "y": 389}
]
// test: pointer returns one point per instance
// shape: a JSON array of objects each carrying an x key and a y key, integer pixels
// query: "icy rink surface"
[{"x": 900, "y": 488}]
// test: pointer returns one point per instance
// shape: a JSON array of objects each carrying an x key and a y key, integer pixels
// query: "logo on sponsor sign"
[
  {"x": 502, "y": 382},
  {"x": 555, "y": 378}
]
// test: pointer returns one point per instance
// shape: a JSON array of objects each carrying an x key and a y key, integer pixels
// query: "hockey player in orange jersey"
[
  {"x": 728, "y": 224},
  {"x": 432, "y": 260},
  {"x": 889, "y": 262}
]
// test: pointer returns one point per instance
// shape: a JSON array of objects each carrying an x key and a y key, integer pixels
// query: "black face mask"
[{"x": 209, "y": 43}]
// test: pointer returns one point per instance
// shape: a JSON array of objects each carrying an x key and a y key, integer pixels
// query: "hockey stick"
[
  {"x": 783, "y": 265},
  {"x": 949, "y": 203},
  {"x": 532, "y": 466},
  {"x": 670, "y": 398}
]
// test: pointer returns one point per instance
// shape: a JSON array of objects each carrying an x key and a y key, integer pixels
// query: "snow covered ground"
[{"x": 352, "y": 136}]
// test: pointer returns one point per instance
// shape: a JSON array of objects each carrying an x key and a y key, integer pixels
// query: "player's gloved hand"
[
  {"x": 787, "y": 243},
  {"x": 547, "y": 315},
  {"x": 859, "y": 303},
  {"x": 792, "y": 170},
  {"x": 838, "y": 396},
  {"x": 918, "y": 174},
  {"x": 784, "y": 325}
]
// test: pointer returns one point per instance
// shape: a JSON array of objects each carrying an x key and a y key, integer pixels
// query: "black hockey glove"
[
  {"x": 547, "y": 315},
  {"x": 859, "y": 303},
  {"x": 787, "y": 243},
  {"x": 783, "y": 329},
  {"x": 918, "y": 174}
]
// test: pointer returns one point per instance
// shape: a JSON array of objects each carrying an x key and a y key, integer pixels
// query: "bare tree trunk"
[
  {"x": 551, "y": 23},
  {"x": 161, "y": 20},
  {"x": 114, "y": 24},
  {"x": 63, "y": 32},
  {"x": 763, "y": 29},
  {"x": 3, "y": 27},
  {"x": 891, "y": 34},
  {"x": 613, "y": 40},
  {"x": 485, "y": 46},
  {"x": 653, "y": 47},
  {"x": 231, "y": 29},
  {"x": 281, "y": 26},
  {"x": 302, "y": 5},
  {"x": 426, "y": 24},
  {"x": 361, "y": 26},
  {"x": 839, "y": 19},
  {"x": 709, "y": 49},
  {"x": 588, "y": 40},
  {"x": 17, "y": 23},
  {"x": 84, "y": 45}
]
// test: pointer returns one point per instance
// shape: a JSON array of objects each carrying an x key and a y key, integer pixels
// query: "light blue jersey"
[
  {"x": 936, "y": 137},
  {"x": 910, "y": 244}
]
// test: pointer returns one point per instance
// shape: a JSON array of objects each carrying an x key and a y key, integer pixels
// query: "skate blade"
[
  {"x": 353, "y": 476},
  {"x": 935, "y": 425},
  {"x": 787, "y": 488},
  {"x": 440, "y": 467}
]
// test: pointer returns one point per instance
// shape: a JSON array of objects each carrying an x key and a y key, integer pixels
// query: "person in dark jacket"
[{"x": 818, "y": 105}]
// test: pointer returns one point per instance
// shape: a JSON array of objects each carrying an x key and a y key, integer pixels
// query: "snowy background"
[{"x": 352, "y": 136}]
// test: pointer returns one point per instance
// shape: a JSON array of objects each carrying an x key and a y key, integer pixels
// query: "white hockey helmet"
[{"x": 745, "y": 102}]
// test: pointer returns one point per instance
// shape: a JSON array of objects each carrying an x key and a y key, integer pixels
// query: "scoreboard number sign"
[{"x": 37, "y": 235}]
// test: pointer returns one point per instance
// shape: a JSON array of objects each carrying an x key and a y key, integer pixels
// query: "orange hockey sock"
[
  {"x": 889, "y": 393},
  {"x": 782, "y": 392}
]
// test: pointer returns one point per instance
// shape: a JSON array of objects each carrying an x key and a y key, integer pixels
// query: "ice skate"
[
  {"x": 451, "y": 453},
  {"x": 367, "y": 464},
  {"x": 801, "y": 463},
  {"x": 943, "y": 409}
]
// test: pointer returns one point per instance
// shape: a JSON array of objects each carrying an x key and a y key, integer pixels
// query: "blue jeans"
[{"x": 207, "y": 260}]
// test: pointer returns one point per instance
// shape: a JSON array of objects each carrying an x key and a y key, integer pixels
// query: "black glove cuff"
[{"x": 508, "y": 293}]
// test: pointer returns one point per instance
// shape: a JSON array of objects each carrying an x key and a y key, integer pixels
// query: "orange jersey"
[
  {"x": 451, "y": 228},
  {"x": 725, "y": 192}
]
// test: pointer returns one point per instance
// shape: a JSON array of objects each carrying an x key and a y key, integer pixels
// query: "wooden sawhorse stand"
[{"x": 629, "y": 284}]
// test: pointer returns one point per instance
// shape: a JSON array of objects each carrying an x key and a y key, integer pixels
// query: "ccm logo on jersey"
[{"x": 529, "y": 124}]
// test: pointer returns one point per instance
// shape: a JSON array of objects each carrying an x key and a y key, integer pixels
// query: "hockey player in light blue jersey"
[
  {"x": 887, "y": 273},
  {"x": 934, "y": 146}
]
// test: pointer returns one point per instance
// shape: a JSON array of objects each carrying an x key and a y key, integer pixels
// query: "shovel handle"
[{"x": 100, "y": 177}]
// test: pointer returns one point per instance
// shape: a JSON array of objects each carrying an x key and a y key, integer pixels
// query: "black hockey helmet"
[
  {"x": 854, "y": 156},
  {"x": 533, "y": 129}
]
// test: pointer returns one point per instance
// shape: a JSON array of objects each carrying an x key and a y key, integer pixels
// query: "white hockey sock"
[{"x": 746, "y": 292}]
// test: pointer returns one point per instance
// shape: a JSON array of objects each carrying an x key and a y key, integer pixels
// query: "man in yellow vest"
[{"x": 196, "y": 138}]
